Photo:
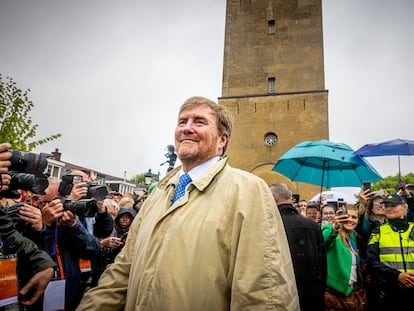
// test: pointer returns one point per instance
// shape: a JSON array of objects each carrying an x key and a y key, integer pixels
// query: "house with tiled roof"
[{"x": 57, "y": 168}]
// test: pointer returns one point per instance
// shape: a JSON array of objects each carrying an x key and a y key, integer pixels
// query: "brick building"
[{"x": 273, "y": 82}]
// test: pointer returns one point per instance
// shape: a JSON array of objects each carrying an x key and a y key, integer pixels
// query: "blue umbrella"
[
  {"x": 396, "y": 147},
  {"x": 326, "y": 164}
]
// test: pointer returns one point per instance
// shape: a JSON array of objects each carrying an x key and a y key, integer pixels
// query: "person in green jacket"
[{"x": 343, "y": 260}]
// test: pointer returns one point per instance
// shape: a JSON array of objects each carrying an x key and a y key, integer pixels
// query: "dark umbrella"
[
  {"x": 396, "y": 147},
  {"x": 326, "y": 164}
]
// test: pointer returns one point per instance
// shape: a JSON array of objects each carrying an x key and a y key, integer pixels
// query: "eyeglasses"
[{"x": 328, "y": 213}]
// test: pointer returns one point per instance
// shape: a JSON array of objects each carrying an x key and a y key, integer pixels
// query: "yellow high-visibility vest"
[{"x": 396, "y": 249}]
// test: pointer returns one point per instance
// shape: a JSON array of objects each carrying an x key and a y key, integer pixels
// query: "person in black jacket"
[
  {"x": 67, "y": 241},
  {"x": 307, "y": 250},
  {"x": 13, "y": 242}
]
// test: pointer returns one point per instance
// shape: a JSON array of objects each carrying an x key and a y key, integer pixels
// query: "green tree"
[
  {"x": 390, "y": 182},
  {"x": 16, "y": 126},
  {"x": 138, "y": 179}
]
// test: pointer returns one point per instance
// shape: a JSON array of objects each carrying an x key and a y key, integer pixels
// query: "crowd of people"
[
  {"x": 206, "y": 237},
  {"x": 60, "y": 238},
  {"x": 369, "y": 248}
]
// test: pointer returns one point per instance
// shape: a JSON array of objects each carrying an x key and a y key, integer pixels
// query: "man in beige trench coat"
[{"x": 221, "y": 246}]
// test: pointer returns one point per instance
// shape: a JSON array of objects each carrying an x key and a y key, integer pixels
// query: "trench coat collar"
[{"x": 171, "y": 180}]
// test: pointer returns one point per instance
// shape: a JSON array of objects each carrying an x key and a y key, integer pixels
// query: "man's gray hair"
[{"x": 281, "y": 191}]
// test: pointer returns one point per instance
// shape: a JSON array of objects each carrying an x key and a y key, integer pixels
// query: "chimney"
[{"x": 56, "y": 154}]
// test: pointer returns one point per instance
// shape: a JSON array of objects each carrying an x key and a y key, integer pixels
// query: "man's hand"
[
  {"x": 32, "y": 215},
  {"x": 111, "y": 242},
  {"x": 31, "y": 292},
  {"x": 365, "y": 195},
  {"x": 79, "y": 190},
  {"x": 4, "y": 166},
  {"x": 68, "y": 219},
  {"x": 406, "y": 279},
  {"x": 52, "y": 211},
  {"x": 5, "y": 182},
  {"x": 4, "y": 157}
]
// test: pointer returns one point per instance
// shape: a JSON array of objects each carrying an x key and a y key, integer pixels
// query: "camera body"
[
  {"x": 82, "y": 207},
  {"x": 28, "y": 182},
  {"x": 95, "y": 190},
  {"x": 27, "y": 171}
]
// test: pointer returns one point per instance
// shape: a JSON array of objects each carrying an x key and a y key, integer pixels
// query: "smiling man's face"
[{"x": 197, "y": 138}]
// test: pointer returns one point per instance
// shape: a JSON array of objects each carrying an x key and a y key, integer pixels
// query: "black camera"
[
  {"x": 27, "y": 162},
  {"x": 24, "y": 181},
  {"x": 66, "y": 185},
  {"x": 27, "y": 171},
  {"x": 28, "y": 182},
  {"x": 83, "y": 207},
  {"x": 95, "y": 190}
]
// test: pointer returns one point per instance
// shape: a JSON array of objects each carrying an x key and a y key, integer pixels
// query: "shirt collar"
[{"x": 199, "y": 170}]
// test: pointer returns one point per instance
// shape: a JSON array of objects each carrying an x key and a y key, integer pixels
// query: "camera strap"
[{"x": 59, "y": 262}]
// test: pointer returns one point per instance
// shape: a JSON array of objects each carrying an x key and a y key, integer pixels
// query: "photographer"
[
  {"x": 66, "y": 240},
  {"x": 102, "y": 224},
  {"x": 40, "y": 264}
]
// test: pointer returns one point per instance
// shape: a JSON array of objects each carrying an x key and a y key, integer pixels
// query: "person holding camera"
[
  {"x": 209, "y": 237},
  {"x": 27, "y": 251},
  {"x": 66, "y": 240}
]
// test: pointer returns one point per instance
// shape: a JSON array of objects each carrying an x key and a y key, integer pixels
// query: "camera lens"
[{"x": 27, "y": 162}]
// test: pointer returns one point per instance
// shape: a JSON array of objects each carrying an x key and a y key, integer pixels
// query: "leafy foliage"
[
  {"x": 138, "y": 179},
  {"x": 16, "y": 126},
  {"x": 390, "y": 182}
]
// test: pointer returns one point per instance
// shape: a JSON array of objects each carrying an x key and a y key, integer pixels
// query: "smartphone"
[
  {"x": 295, "y": 198},
  {"x": 341, "y": 206},
  {"x": 400, "y": 184},
  {"x": 366, "y": 185}
]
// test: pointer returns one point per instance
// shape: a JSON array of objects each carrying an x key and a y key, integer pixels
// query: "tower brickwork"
[{"x": 273, "y": 82}]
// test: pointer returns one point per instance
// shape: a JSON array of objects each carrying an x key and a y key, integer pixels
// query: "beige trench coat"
[{"x": 220, "y": 247}]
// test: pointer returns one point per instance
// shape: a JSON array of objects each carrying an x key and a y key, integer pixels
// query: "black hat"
[{"x": 393, "y": 198}]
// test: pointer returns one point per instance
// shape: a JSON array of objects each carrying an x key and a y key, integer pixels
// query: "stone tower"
[{"x": 273, "y": 82}]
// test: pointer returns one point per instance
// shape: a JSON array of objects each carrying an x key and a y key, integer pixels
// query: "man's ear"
[
  {"x": 34, "y": 200},
  {"x": 224, "y": 139}
]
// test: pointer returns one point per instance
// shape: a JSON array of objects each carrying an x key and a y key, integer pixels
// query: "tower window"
[
  {"x": 271, "y": 27},
  {"x": 271, "y": 85}
]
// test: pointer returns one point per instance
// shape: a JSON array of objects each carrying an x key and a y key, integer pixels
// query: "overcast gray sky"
[{"x": 110, "y": 75}]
